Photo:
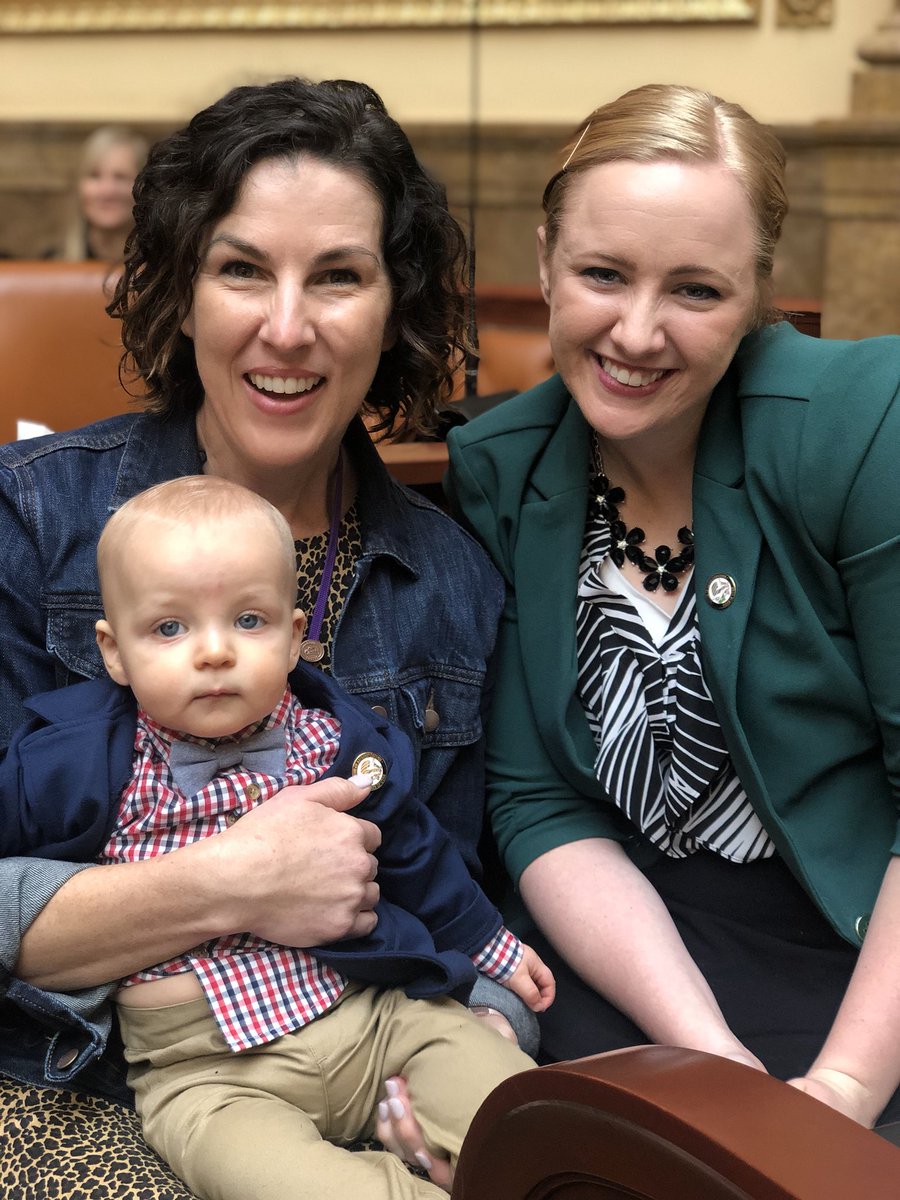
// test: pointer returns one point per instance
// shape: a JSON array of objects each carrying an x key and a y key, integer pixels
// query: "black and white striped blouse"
[{"x": 661, "y": 756}]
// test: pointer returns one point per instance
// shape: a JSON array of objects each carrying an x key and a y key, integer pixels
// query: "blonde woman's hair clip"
[
  {"x": 562, "y": 170},
  {"x": 574, "y": 149}
]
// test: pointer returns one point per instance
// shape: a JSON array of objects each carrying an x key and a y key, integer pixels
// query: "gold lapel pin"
[{"x": 368, "y": 763}]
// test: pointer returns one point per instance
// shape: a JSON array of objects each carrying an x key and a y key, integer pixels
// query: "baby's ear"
[
  {"x": 109, "y": 648},
  {"x": 299, "y": 630}
]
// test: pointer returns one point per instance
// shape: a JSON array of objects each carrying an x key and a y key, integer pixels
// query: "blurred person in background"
[{"x": 101, "y": 212}]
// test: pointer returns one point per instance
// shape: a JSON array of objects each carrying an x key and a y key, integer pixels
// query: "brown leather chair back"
[
  {"x": 59, "y": 351},
  {"x": 659, "y": 1123},
  {"x": 512, "y": 359}
]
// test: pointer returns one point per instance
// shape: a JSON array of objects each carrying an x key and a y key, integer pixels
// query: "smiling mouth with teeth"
[
  {"x": 629, "y": 377},
  {"x": 277, "y": 385}
]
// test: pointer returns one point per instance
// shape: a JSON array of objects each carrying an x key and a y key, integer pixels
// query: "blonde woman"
[
  {"x": 101, "y": 218},
  {"x": 694, "y": 750}
]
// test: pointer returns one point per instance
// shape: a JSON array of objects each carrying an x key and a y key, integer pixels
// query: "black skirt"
[{"x": 776, "y": 967}]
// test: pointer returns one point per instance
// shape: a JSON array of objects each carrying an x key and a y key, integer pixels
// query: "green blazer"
[{"x": 797, "y": 499}]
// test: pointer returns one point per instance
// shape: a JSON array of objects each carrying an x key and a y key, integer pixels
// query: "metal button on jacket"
[
  {"x": 432, "y": 716},
  {"x": 720, "y": 590}
]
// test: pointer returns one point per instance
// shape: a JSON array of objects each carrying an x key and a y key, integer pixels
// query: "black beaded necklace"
[{"x": 661, "y": 571}]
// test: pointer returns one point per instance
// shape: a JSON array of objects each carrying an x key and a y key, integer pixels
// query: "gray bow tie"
[{"x": 194, "y": 765}]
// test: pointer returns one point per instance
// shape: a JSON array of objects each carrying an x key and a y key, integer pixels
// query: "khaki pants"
[{"x": 270, "y": 1123}]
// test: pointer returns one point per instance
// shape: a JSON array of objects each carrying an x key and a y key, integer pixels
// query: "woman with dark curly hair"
[
  {"x": 195, "y": 178},
  {"x": 292, "y": 267}
]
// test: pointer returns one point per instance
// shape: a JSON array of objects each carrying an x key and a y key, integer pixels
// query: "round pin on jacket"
[
  {"x": 368, "y": 763},
  {"x": 312, "y": 650},
  {"x": 720, "y": 590}
]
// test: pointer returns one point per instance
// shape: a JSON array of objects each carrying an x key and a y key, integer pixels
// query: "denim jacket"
[{"x": 416, "y": 631}]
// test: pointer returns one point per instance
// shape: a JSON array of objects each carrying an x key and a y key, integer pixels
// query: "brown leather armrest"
[{"x": 660, "y": 1123}]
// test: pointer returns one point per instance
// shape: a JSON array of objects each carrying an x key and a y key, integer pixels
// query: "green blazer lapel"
[
  {"x": 728, "y": 545},
  {"x": 547, "y": 554}
]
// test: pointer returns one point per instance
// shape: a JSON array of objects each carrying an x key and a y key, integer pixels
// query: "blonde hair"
[
  {"x": 672, "y": 121},
  {"x": 93, "y": 149},
  {"x": 192, "y": 500}
]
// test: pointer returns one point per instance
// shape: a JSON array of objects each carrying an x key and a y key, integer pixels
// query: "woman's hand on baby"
[
  {"x": 839, "y": 1091},
  {"x": 399, "y": 1131},
  {"x": 300, "y": 869},
  {"x": 532, "y": 981}
]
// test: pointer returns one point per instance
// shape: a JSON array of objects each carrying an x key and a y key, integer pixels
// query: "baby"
[{"x": 240, "y": 1041}]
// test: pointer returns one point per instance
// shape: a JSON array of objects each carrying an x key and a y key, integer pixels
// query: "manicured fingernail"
[
  {"x": 362, "y": 780},
  {"x": 396, "y": 1107},
  {"x": 382, "y": 1110},
  {"x": 423, "y": 1160},
  {"x": 392, "y": 1087}
]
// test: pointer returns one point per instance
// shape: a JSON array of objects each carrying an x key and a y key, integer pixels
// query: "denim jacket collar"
[
  {"x": 386, "y": 529},
  {"x": 159, "y": 448}
]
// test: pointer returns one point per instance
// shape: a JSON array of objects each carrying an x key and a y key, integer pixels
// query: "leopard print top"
[{"x": 311, "y": 554}]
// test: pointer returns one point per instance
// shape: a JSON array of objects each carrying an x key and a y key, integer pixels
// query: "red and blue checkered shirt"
[{"x": 257, "y": 990}]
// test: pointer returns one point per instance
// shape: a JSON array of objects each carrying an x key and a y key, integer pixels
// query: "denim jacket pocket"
[
  {"x": 71, "y": 634},
  {"x": 446, "y": 713},
  {"x": 445, "y": 707}
]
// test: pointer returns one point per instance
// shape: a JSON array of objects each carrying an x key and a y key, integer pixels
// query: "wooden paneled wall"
[{"x": 512, "y": 163}]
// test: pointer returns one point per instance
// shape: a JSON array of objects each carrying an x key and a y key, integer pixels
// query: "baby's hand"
[{"x": 532, "y": 981}]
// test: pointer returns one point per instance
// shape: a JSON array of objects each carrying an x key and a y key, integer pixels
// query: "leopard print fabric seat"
[{"x": 59, "y": 1145}]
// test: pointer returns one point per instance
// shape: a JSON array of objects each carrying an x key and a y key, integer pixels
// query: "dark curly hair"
[{"x": 192, "y": 179}]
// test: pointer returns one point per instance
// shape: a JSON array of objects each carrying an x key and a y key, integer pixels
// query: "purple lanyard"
[{"x": 314, "y": 649}]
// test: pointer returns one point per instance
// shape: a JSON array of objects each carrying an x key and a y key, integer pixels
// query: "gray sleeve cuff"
[
  {"x": 26, "y": 885},
  {"x": 525, "y": 1024}
]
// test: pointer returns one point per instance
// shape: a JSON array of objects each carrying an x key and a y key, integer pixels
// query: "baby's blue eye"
[
  {"x": 249, "y": 620},
  {"x": 169, "y": 629}
]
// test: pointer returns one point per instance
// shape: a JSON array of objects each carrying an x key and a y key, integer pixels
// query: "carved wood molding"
[
  {"x": 73, "y": 16},
  {"x": 882, "y": 48},
  {"x": 804, "y": 13}
]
